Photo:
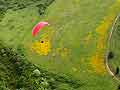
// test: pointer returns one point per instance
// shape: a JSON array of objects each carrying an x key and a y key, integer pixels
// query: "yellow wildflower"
[
  {"x": 97, "y": 63},
  {"x": 41, "y": 47},
  {"x": 105, "y": 25}
]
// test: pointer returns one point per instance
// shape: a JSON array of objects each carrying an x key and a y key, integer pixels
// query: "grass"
[
  {"x": 114, "y": 47},
  {"x": 18, "y": 73},
  {"x": 73, "y": 26}
]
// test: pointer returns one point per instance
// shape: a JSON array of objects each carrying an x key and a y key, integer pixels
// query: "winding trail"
[{"x": 109, "y": 39}]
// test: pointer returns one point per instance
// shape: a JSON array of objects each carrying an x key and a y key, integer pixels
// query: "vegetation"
[
  {"x": 114, "y": 46},
  {"x": 18, "y": 73},
  {"x": 110, "y": 55},
  {"x": 77, "y": 32},
  {"x": 21, "y": 4}
]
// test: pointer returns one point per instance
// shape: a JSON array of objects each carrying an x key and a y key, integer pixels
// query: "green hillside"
[{"x": 76, "y": 41}]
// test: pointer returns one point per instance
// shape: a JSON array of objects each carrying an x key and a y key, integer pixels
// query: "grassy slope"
[
  {"x": 17, "y": 73},
  {"x": 77, "y": 19},
  {"x": 115, "y": 46}
]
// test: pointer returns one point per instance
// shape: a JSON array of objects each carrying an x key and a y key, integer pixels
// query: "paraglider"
[{"x": 38, "y": 27}]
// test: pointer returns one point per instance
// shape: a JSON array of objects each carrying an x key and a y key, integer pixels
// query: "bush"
[
  {"x": 21, "y": 4},
  {"x": 110, "y": 55},
  {"x": 24, "y": 73}
]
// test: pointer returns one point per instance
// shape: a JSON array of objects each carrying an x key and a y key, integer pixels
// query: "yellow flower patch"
[
  {"x": 108, "y": 20},
  {"x": 41, "y": 47},
  {"x": 105, "y": 25},
  {"x": 97, "y": 63},
  {"x": 101, "y": 44}
]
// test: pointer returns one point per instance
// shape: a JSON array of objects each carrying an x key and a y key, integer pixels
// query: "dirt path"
[{"x": 109, "y": 40}]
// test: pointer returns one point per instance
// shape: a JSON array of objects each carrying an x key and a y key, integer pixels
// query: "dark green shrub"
[{"x": 110, "y": 55}]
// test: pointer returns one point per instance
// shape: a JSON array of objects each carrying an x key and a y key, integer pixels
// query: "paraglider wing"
[{"x": 38, "y": 27}]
